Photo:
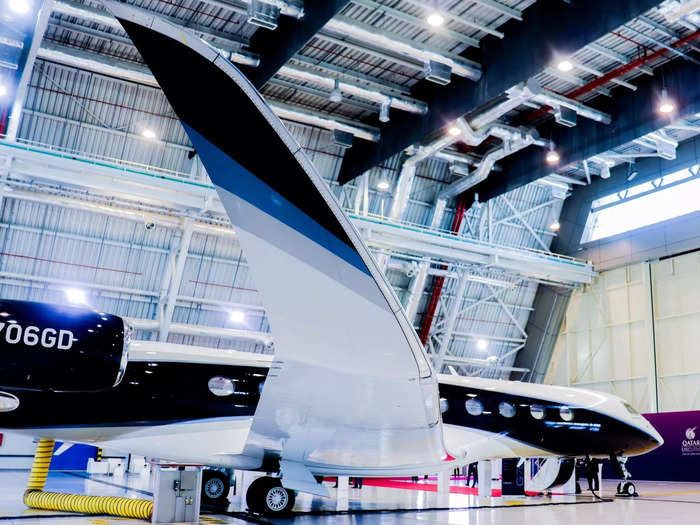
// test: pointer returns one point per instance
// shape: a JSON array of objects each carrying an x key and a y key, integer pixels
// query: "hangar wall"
[{"x": 634, "y": 333}]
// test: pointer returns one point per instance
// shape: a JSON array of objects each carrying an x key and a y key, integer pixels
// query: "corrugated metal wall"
[{"x": 124, "y": 264}]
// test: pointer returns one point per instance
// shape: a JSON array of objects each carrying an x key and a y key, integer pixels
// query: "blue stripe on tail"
[{"x": 231, "y": 176}]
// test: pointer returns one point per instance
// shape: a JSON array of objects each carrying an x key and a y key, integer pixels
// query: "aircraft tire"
[
  {"x": 215, "y": 487},
  {"x": 267, "y": 496}
]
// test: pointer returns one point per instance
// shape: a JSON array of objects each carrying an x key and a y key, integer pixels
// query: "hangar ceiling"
[{"x": 93, "y": 154}]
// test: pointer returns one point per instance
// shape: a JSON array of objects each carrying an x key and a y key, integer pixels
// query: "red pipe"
[
  {"x": 615, "y": 73},
  {"x": 205, "y": 283},
  {"x": 54, "y": 261},
  {"x": 3, "y": 123},
  {"x": 439, "y": 281}
]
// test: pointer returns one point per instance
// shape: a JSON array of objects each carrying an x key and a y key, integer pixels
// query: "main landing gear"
[
  {"x": 215, "y": 487},
  {"x": 267, "y": 496},
  {"x": 625, "y": 488}
]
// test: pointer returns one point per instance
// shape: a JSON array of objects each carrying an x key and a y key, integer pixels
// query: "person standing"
[{"x": 473, "y": 474}]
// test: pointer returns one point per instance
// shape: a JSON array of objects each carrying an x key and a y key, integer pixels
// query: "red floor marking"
[{"x": 393, "y": 483}]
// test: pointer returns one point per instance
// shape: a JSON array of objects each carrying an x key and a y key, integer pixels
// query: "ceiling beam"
[
  {"x": 631, "y": 120},
  {"x": 277, "y": 47},
  {"x": 559, "y": 27}
]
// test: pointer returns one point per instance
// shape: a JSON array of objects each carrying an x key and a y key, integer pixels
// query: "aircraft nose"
[{"x": 655, "y": 435}]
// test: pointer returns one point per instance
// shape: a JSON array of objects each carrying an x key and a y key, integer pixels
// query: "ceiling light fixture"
[
  {"x": 666, "y": 104},
  {"x": 148, "y": 133},
  {"x": 20, "y": 7},
  {"x": 435, "y": 19},
  {"x": 552, "y": 157},
  {"x": 454, "y": 131},
  {"x": 75, "y": 296},
  {"x": 482, "y": 344},
  {"x": 383, "y": 185},
  {"x": 555, "y": 226},
  {"x": 565, "y": 66},
  {"x": 237, "y": 316}
]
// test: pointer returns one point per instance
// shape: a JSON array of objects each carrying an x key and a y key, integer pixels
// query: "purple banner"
[{"x": 678, "y": 459}]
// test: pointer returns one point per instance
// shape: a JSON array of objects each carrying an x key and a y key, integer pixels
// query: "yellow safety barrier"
[{"x": 35, "y": 497}]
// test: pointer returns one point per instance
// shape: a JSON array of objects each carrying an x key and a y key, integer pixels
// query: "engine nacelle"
[{"x": 60, "y": 348}]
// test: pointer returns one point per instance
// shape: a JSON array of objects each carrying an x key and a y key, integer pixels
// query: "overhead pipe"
[
  {"x": 372, "y": 35},
  {"x": 408, "y": 173},
  {"x": 350, "y": 88},
  {"x": 296, "y": 114},
  {"x": 532, "y": 91},
  {"x": 341, "y": 24},
  {"x": 514, "y": 139},
  {"x": 482, "y": 171},
  {"x": 555, "y": 100},
  {"x": 286, "y": 8},
  {"x": 89, "y": 62},
  {"x": 513, "y": 98},
  {"x": 68, "y": 8},
  {"x": 616, "y": 73},
  {"x": 485, "y": 121},
  {"x": 304, "y": 74}
]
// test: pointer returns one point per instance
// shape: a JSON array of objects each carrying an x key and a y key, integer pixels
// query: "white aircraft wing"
[{"x": 350, "y": 389}]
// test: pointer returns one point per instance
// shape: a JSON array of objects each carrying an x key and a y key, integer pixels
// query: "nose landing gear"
[{"x": 625, "y": 488}]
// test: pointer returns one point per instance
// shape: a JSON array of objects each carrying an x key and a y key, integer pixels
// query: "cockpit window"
[
  {"x": 631, "y": 409},
  {"x": 474, "y": 407},
  {"x": 506, "y": 409}
]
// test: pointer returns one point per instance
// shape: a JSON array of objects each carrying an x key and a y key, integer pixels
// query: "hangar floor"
[{"x": 659, "y": 503}]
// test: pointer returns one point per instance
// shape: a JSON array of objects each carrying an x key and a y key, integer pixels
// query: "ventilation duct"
[
  {"x": 437, "y": 72},
  {"x": 263, "y": 15},
  {"x": 342, "y": 139}
]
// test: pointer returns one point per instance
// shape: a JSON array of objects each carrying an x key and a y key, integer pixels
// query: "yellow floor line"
[{"x": 678, "y": 493}]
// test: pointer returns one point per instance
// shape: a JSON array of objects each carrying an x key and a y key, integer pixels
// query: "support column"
[
  {"x": 653, "y": 375},
  {"x": 452, "y": 314},
  {"x": 21, "y": 93},
  {"x": 361, "y": 204},
  {"x": 174, "y": 288},
  {"x": 484, "y": 470},
  {"x": 403, "y": 191},
  {"x": 343, "y": 494},
  {"x": 416, "y": 290},
  {"x": 443, "y": 488}
]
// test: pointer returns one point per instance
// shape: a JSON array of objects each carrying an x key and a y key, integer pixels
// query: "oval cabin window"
[
  {"x": 538, "y": 411},
  {"x": 506, "y": 409},
  {"x": 474, "y": 407},
  {"x": 221, "y": 386},
  {"x": 566, "y": 413}
]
